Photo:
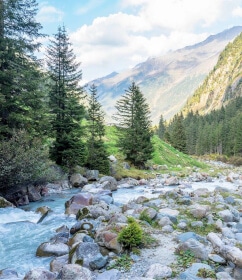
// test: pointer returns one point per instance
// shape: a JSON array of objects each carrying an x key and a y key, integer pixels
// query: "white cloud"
[
  {"x": 49, "y": 14},
  {"x": 145, "y": 28},
  {"x": 237, "y": 12}
]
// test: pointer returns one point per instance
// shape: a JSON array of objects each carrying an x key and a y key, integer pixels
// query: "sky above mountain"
[{"x": 113, "y": 35}]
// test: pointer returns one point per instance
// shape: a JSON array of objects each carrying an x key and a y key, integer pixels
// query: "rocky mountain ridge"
[{"x": 169, "y": 80}]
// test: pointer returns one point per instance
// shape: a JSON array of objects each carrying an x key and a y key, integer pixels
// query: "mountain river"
[{"x": 20, "y": 234}]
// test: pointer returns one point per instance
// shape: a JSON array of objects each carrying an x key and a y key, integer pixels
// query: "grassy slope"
[{"x": 164, "y": 154}]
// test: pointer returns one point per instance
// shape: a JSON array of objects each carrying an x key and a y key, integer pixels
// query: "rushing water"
[{"x": 20, "y": 234}]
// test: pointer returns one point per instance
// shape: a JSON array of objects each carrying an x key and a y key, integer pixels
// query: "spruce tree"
[
  {"x": 178, "y": 136},
  {"x": 161, "y": 128},
  {"x": 134, "y": 126},
  {"x": 21, "y": 105},
  {"x": 65, "y": 93},
  {"x": 97, "y": 154}
]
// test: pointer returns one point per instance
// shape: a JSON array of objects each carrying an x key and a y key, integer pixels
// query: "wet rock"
[
  {"x": 33, "y": 193},
  {"x": 78, "y": 181},
  {"x": 5, "y": 203},
  {"x": 77, "y": 202},
  {"x": 39, "y": 274},
  {"x": 158, "y": 270},
  {"x": 58, "y": 263},
  {"x": 75, "y": 272},
  {"x": 224, "y": 276},
  {"x": 84, "y": 224},
  {"x": 48, "y": 249},
  {"x": 8, "y": 274},
  {"x": 109, "y": 183},
  {"x": 112, "y": 274}
]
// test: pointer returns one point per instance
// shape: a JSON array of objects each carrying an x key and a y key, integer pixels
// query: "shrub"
[
  {"x": 22, "y": 160},
  {"x": 131, "y": 235}
]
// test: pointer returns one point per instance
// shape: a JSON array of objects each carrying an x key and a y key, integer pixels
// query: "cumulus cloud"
[
  {"x": 143, "y": 29},
  {"x": 49, "y": 14}
]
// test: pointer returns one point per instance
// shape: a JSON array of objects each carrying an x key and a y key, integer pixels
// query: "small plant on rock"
[
  {"x": 206, "y": 273},
  {"x": 131, "y": 235},
  {"x": 123, "y": 262},
  {"x": 185, "y": 258}
]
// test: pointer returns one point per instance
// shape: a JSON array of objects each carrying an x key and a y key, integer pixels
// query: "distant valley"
[{"x": 169, "y": 80}]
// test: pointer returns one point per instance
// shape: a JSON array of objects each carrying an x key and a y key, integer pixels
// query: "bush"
[
  {"x": 131, "y": 235},
  {"x": 22, "y": 160}
]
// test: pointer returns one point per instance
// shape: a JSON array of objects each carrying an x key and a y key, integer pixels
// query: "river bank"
[{"x": 157, "y": 195}]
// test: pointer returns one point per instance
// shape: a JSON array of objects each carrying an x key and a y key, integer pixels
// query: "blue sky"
[{"x": 114, "y": 35}]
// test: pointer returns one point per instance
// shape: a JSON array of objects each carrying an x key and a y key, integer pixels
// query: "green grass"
[{"x": 164, "y": 154}]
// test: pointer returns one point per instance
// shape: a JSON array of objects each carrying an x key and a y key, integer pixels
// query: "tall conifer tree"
[
  {"x": 20, "y": 95},
  {"x": 68, "y": 149},
  {"x": 134, "y": 125},
  {"x": 97, "y": 154}
]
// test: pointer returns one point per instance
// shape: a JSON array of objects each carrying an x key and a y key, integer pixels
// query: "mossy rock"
[{"x": 5, "y": 203}]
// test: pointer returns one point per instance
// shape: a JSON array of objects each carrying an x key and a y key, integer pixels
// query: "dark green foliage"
[
  {"x": 178, "y": 134},
  {"x": 134, "y": 126},
  {"x": 21, "y": 99},
  {"x": 219, "y": 132},
  {"x": 97, "y": 154},
  {"x": 131, "y": 235},
  {"x": 66, "y": 110},
  {"x": 161, "y": 130},
  {"x": 22, "y": 160}
]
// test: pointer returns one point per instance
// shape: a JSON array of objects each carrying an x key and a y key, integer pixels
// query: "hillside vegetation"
[
  {"x": 163, "y": 155},
  {"x": 222, "y": 84}
]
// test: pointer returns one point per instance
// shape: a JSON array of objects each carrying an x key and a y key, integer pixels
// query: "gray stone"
[
  {"x": 164, "y": 221},
  {"x": 227, "y": 232},
  {"x": 112, "y": 274},
  {"x": 229, "y": 200},
  {"x": 109, "y": 183},
  {"x": 197, "y": 248},
  {"x": 191, "y": 272},
  {"x": 58, "y": 263},
  {"x": 224, "y": 276},
  {"x": 183, "y": 237},
  {"x": 84, "y": 253},
  {"x": 216, "y": 258},
  {"x": 48, "y": 249},
  {"x": 199, "y": 211},
  {"x": 197, "y": 224},
  {"x": 167, "y": 228},
  {"x": 158, "y": 270},
  {"x": 237, "y": 273},
  {"x": 182, "y": 225},
  {"x": 75, "y": 272},
  {"x": 39, "y": 274},
  {"x": 92, "y": 175},
  {"x": 98, "y": 262},
  {"x": 78, "y": 181},
  {"x": 226, "y": 215},
  {"x": 172, "y": 181}
]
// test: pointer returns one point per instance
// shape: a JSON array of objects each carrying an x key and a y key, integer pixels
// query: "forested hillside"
[
  {"x": 211, "y": 122},
  {"x": 222, "y": 84}
]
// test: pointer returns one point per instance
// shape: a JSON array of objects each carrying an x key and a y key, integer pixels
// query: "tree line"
[
  {"x": 43, "y": 110},
  {"x": 219, "y": 132}
]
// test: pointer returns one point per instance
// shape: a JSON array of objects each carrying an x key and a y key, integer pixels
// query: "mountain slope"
[
  {"x": 222, "y": 84},
  {"x": 167, "y": 81}
]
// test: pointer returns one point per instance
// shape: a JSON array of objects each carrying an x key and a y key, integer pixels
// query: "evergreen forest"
[{"x": 47, "y": 119}]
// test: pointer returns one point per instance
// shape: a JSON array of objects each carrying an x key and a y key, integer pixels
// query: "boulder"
[
  {"x": 197, "y": 248},
  {"x": 109, "y": 240},
  {"x": 172, "y": 181},
  {"x": 112, "y": 274},
  {"x": 109, "y": 183},
  {"x": 58, "y": 263},
  {"x": 75, "y": 272},
  {"x": 8, "y": 274},
  {"x": 84, "y": 224},
  {"x": 39, "y": 274},
  {"x": 5, "y": 203},
  {"x": 77, "y": 180},
  {"x": 158, "y": 270},
  {"x": 226, "y": 215},
  {"x": 199, "y": 211},
  {"x": 192, "y": 271},
  {"x": 85, "y": 253},
  {"x": 92, "y": 175},
  {"x": 33, "y": 193},
  {"x": 48, "y": 249},
  {"x": 77, "y": 202},
  {"x": 98, "y": 262}
]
